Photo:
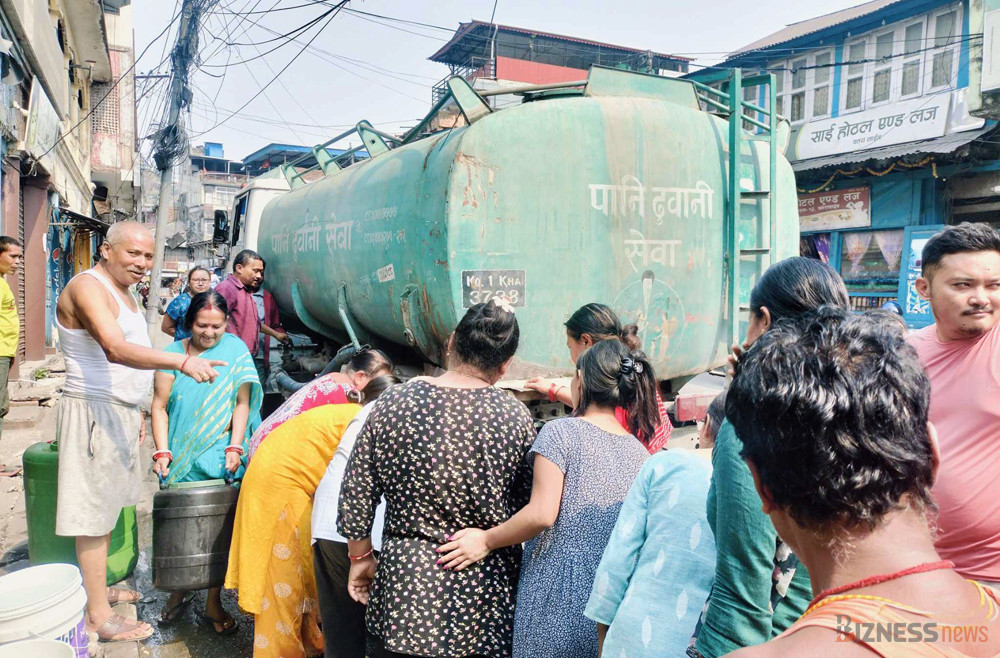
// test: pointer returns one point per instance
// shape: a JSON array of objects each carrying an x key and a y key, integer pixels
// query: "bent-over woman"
[
  {"x": 334, "y": 388},
  {"x": 660, "y": 561},
  {"x": 200, "y": 429},
  {"x": 343, "y": 617},
  {"x": 270, "y": 562},
  {"x": 715, "y": 416},
  {"x": 589, "y": 325},
  {"x": 446, "y": 452},
  {"x": 583, "y": 468}
]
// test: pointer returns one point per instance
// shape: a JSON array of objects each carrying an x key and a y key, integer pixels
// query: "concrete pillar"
[{"x": 36, "y": 224}]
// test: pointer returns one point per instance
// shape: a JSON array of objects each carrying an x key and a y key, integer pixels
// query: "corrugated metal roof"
[
  {"x": 276, "y": 149},
  {"x": 91, "y": 222},
  {"x": 466, "y": 28},
  {"x": 802, "y": 28},
  {"x": 946, "y": 144}
]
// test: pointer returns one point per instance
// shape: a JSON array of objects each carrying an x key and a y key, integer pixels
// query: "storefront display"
[
  {"x": 815, "y": 246},
  {"x": 870, "y": 260}
]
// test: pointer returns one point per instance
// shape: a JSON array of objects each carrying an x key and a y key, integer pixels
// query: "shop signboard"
[
  {"x": 991, "y": 49},
  {"x": 913, "y": 120},
  {"x": 42, "y": 131},
  {"x": 916, "y": 310},
  {"x": 836, "y": 209}
]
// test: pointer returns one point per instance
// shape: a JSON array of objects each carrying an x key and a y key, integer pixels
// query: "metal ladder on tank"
[{"x": 730, "y": 106}]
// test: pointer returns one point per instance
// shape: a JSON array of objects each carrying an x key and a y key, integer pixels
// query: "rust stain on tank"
[
  {"x": 431, "y": 151},
  {"x": 437, "y": 331},
  {"x": 475, "y": 192}
]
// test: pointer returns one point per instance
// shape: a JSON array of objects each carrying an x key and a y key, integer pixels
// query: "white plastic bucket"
[
  {"x": 44, "y": 602},
  {"x": 37, "y": 649}
]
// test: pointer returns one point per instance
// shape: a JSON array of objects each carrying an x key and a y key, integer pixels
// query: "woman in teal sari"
[{"x": 201, "y": 429}]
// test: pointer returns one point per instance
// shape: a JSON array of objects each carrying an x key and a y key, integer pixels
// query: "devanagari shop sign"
[
  {"x": 906, "y": 121},
  {"x": 836, "y": 209},
  {"x": 42, "y": 130}
]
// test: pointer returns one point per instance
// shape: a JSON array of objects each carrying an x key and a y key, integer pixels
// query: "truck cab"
[{"x": 241, "y": 231}]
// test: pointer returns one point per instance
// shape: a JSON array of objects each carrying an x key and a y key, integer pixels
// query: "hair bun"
[
  {"x": 501, "y": 303},
  {"x": 629, "y": 336},
  {"x": 630, "y": 365},
  {"x": 487, "y": 336}
]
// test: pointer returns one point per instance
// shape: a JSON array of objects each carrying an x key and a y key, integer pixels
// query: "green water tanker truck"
[{"x": 628, "y": 189}]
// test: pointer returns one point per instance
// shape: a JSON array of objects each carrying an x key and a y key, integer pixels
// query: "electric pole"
[{"x": 170, "y": 143}]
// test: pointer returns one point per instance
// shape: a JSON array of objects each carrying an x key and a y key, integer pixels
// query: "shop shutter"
[{"x": 20, "y": 273}]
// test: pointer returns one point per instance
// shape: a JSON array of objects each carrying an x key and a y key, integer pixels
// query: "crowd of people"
[{"x": 843, "y": 482}]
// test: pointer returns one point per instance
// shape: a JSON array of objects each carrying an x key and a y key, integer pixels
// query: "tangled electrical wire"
[{"x": 170, "y": 143}]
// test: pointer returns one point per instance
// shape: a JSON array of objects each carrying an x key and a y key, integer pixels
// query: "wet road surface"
[{"x": 190, "y": 635}]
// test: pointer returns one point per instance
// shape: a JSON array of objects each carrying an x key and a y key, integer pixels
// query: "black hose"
[
  {"x": 283, "y": 380},
  {"x": 343, "y": 355}
]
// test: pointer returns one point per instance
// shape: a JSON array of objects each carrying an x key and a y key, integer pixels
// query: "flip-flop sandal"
[
  {"x": 116, "y": 595},
  {"x": 229, "y": 625},
  {"x": 119, "y": 629},
  {"x": 9, "y": 471},
  {"x": 171, "y": 615}
]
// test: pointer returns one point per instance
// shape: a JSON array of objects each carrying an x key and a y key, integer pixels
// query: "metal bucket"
[{"x": 192, "y": 532}]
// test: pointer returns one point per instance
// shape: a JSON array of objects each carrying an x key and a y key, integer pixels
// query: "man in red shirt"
[
  {"x": 237, "y": 289},
  {"x": 961, "y": 354},
  {"x": 270, "y": 327}
]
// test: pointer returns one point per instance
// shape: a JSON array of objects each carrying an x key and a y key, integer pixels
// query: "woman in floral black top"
[{"x": 447, "y": 453}]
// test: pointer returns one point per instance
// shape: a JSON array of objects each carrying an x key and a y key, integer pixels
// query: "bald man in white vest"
[{"x": 100, "y": 425}]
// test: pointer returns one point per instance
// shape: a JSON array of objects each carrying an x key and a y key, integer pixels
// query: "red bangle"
[
  {"x": 185, "y": 362},
  {"x": 236, "y": 449},
  {"x": 553, "y": 390},
  {"x": 163, "y": 453},
  {"x": 355, "y": 558}
]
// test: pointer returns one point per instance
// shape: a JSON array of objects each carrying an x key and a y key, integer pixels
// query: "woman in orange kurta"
[{"x": 270, "y": 561}]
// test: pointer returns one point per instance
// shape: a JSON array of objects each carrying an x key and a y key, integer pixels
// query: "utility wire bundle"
[{"x": 169, "y": 141}]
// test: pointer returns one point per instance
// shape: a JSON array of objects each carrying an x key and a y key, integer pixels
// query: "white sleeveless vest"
[{"x": 89, "y": 374}]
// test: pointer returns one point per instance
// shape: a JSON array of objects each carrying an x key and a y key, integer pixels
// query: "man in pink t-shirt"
[{"x": 961, "y": 353}]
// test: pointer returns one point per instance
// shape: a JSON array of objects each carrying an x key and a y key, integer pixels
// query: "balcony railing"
[
  {"x": 220, "y": 178},
  {"x": 478, "y": 67}
]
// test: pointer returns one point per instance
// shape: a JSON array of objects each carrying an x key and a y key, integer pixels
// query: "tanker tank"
[{"x": 618, "y": 192}]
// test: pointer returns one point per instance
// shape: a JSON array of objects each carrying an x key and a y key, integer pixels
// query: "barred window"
[{"x": 106, "y": 108}]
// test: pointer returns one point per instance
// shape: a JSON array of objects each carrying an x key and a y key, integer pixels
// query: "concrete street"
[{"x": 190, "y": 636}]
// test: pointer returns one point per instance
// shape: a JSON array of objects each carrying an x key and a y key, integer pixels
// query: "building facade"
[
  {"x": 203, "y": 182},
  {"x": 273, "y": 156},
  {"x": 883, "y": 145},
  {"x": 494, "y": 56},
  {"x": 57, "y": 57},
  {"x": 114, "y": 156}
]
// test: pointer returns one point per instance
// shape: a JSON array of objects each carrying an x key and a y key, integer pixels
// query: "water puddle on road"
[{"x": 190, "y": 635}]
